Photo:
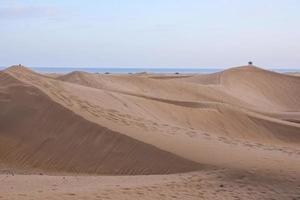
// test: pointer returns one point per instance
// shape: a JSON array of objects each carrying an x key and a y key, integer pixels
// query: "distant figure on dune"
[{"x": 250, "y": 63}]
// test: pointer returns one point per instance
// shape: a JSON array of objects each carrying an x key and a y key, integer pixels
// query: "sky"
[{"x": 150, "y": 33}]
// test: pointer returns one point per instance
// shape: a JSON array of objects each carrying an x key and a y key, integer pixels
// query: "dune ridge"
[
  {"x": 149, "y": 124},
  {"x": 38, "y": 132}
]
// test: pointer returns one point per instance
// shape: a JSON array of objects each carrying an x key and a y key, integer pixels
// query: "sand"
[
  {"x": 205, "y": 184},
  {"x": 294, "y": 73},
  {"x": 234, "y": 134}
]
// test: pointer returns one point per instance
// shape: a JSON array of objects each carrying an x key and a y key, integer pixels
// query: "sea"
[{"x": 126, "y": 70}]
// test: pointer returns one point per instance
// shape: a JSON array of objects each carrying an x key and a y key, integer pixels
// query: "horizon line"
[{"x": 154, "y": 67}]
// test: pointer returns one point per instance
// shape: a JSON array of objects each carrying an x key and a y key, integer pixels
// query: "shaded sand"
[{"x": 238, "y": 128}]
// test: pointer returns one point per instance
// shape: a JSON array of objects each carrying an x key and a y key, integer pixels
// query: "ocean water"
[{"x": 127, "y": 70}]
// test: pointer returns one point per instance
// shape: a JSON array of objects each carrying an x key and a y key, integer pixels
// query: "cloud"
[{"x": 16, "y": 11}]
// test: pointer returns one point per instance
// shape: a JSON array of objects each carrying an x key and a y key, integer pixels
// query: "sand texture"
[{"x": 234, "y": 134}]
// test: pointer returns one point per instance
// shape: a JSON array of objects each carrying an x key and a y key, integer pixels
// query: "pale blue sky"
[{"x": 159, "y": 33}]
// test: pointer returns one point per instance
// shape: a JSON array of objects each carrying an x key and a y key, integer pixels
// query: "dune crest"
[
  {"x": 40, "y": 133},
  {"x": 149, "y": 124}
]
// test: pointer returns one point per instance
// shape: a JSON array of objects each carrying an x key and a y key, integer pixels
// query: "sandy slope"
[
  {"x": 38, "y": 132},
  {"x": 245, "y": 119}
]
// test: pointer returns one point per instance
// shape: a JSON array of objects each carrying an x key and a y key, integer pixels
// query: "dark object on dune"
[
  {"x": 106, "y": 73},
  {"x": 250, "y": 63},
  {"x": 176, "y": 72}
]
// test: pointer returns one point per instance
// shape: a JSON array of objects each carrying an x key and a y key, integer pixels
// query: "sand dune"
[
  {"x": 38, "y": 132},
  {"x": 170, "y": 115},
  {"x": 244, "y": 119},
  {"x": 219, "y": 96}
]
